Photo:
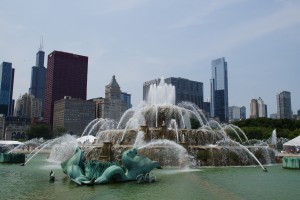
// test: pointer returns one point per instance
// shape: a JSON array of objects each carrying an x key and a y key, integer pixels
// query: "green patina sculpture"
[{"x": 89, "y": 172}]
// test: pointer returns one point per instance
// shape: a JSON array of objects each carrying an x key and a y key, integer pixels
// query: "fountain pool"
[{"x": 31, "y": 182}]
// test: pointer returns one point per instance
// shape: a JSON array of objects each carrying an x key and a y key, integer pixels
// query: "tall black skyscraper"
[{"x": 38, "y": 77}]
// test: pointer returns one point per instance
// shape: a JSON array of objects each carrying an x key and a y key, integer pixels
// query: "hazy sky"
[{"x": 140, "y": 40}]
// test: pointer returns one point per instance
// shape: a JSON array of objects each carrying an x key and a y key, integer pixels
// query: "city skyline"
[{"x": 144, "y": 40}]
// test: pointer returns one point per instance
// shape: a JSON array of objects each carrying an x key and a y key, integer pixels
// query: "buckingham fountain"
[{"x": 165, "y": 134}]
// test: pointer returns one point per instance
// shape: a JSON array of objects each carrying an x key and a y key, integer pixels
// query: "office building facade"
[
  {"x": 7, "y": 74},
  {"x": 28, "y": 106},
  {"x": 219, "y": 90},
  {"x": 284, "y": 105},
  {"x": 243, "y": 112},
  {"x": 73, "y": 115},
  {"x": 234, "y": 113},
  {"x": 126, "y": 98},
  {"x": 66, "y": 76},
  {"x": 185, "y": 90}
]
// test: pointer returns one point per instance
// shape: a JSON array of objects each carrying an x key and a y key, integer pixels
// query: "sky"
[{"x": 141, "y": 40}]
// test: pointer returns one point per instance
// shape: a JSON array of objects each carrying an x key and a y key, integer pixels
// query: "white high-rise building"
[{"x": 261, "y": 108}]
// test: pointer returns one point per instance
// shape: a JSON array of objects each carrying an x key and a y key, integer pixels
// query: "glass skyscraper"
[
  {"x": 6, "y": 88},
  {"x": 284, "y": 105},
  {"x": 219, "y": 90},
  {"x": 38, "y": 77}
]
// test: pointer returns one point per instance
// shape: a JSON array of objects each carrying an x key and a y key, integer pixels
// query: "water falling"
[{"x": 274, "y": 137}]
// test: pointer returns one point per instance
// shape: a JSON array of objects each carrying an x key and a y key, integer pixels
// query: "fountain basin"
[
  {"x": 12, "y": 158},
  {"x": 291, "y": 162}
]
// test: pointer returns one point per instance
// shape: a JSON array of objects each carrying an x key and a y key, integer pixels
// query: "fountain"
[
  {"x": 166, "y": 132},
  {"x": 6, "y": 155},
  {"x": 171, "y": 135}
]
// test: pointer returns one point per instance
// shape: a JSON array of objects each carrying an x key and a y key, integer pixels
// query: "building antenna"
[{"x": 41, "y": 44}]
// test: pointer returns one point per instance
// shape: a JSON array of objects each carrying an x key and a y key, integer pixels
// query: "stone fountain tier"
[
  {"x": 231, "y": 156},
  {"x": 196, "y": 147},
  {"x": 192, "y": 137},
  {"x": 197, "y": 155}
]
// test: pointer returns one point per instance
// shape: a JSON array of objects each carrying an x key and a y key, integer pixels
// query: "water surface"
[{"x": 31, "y": 182}]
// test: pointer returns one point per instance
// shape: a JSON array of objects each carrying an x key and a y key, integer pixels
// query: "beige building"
[
  {"x": 16, "y": 128},
  {"x": 253, "y": 108},
  {"x": 112, "y": 106},
  {"x": 28, "y": 106},
  {"x": 72, "y": 115},
  {"x": 258, "y": 108}
]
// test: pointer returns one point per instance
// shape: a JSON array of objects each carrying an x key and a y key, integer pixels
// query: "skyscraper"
[
  {"x": 284, "y": 105},
  {"x": 219, "y": 90},
  {"x": 38, "y": 77},
  {"x": 185, "y": 90},
  {"x": 262, "y": 108},
  {"x": 253, "y": 108},
  {"x": 258, "y": 108},
  {"x": 7, "y": 74},
  {"x": 243, "y": 112},
  {"x": 66, "y": 76},
  {"x": 115, "y": 102},
  {"x": 234, "y": 113}
]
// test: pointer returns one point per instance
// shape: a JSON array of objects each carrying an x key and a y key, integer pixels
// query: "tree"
[
  {"x": 38, "y": 131},
  {"x": 261, "y": 128},
  {"x": 195, "y": 124},
  {"x": 59, "y": 131}
]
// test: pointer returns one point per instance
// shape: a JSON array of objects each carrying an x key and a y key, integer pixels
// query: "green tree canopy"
[
  {"x": 261, "y": 128},
  {"x": 38, "y": 131}
]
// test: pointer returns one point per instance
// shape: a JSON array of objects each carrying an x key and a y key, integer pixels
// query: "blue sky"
[{"x": 140, "y": 40}]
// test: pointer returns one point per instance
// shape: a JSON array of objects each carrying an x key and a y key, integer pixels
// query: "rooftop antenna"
[{"x": 41, "y": 44}]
